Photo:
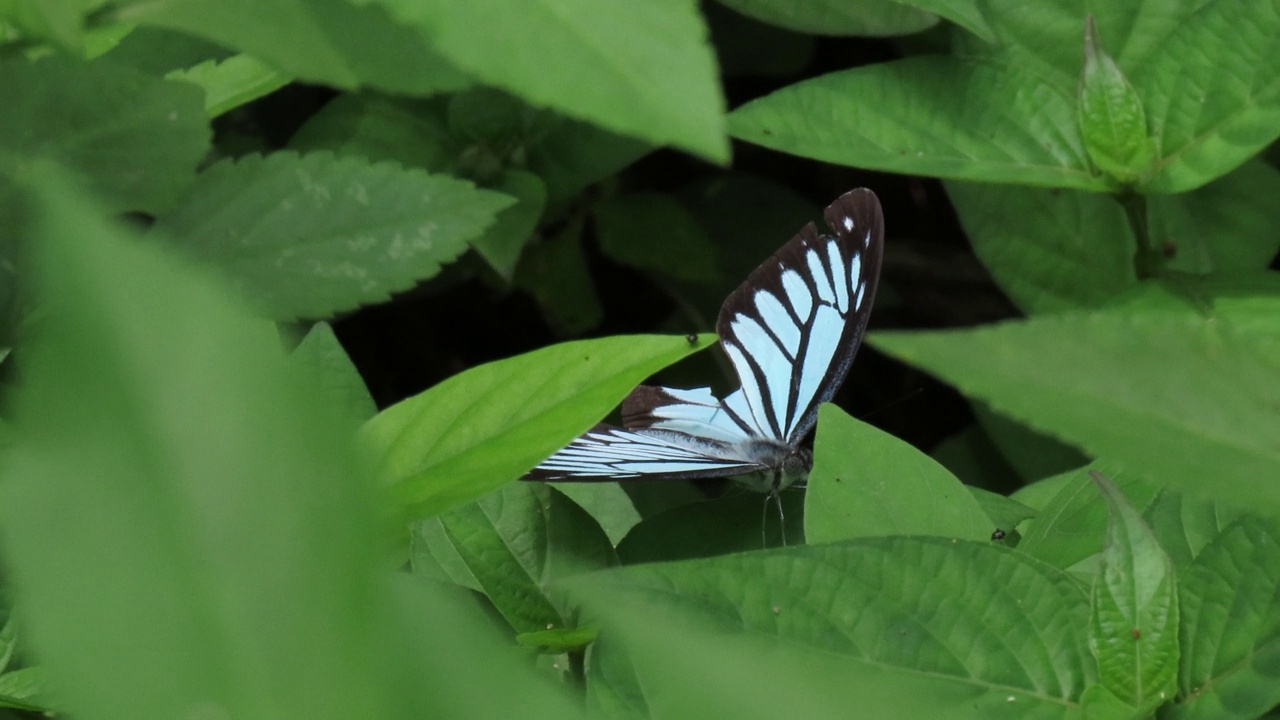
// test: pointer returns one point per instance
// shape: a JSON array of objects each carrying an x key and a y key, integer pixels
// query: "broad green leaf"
[
  {"x": 974, "y": 459},
  {"x": 1049, "y": 250},
  {"x": 8, "y": 641},
  {"x": 1227, "y": 225},
  {"x": 58, "y": 21},
  {"x": 743, "y": 521},
  {"x": 1072, "y": 523},
  {"x": 1112, "y": 122},
  {"x": 503, "y": 241},
  {"x": 968, "y": 14},
  {"x": 156, "y": 420},
  {"x": 511, "y": 543},
  {"x": 1099, "y": 703},
  {"x": 232, "y": 82},
  {"x": 485, "y": 427},
  {"x": 867, "y": 483},
  {"x": 832, "y": 17},
  {"x": 965, "y": 119},
  {"x": 311, "y": 236},
  {"x": 333, "y": 42},
  {"x": 640, "y": 69},
  {"x": 333, "y": 374},
  {"x": 1230, "y": 614},
  {"x": 380, "y": 128},
  {"x": 748, "y": 48},
  {"x": 654, "y": 232},
  {"x": 610, "y": 505},
  {"x": 156, "y": 51},
  {"x": 1185, "y": 524},
  {"x": 1133, "y": 627},
  {"x": 135, "y": 140},
  {"x": 554, "y": 270},
  {"x": 898, "y": 627},
  {"x": 1033, "y": 455},
  {"x": 1129, "y": 383},
  {"x": 1213, "y": 92}
]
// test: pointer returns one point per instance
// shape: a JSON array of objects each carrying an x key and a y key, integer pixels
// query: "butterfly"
[{"x": 791, "y": 332}]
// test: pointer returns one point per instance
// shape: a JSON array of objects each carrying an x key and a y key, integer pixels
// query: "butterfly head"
[{"x": 795, "y": 467}]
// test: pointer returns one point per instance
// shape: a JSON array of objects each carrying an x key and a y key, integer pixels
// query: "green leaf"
[
  {"x": 1112, "y": 122},
  {"x": 1185, "y": 524},
  {"x": 1129, "y": 383},
  {"x": 380, "y": 128},
  {"x": 968, "y": 119},
  {"x": 232, "y": 82},
  {"x": 485, "y": 427},
  {"x": 1072, "y": 523},
  {"x": 333, "y": 374},
  {"x": 608, "y": 503},
  {"x": 573, "y": 155},
  {"x": 1213, "y": 93},
  {"x": 311, "y": 236},
  {"x": 1230, "y": 611},
  {"x": 510, "y": 545},
  {"x": 1033, "y": 455},
  {"x": 1221, "y": 227},
  {"x": 25, "y": 689},
  {"x": 502, "y": 242},
  {"x": 158, "y": 421},
  {"x": 654, "y": 232},
  {"x": 559, "y": 640},
  {"x": 742, "y": 522},
  {"x": 58, "y": 21},
  {"x": 902, "y": 627},
  {"x": 866, "y": 483},
  {"x": 1049, "y": 250},
  {"x": 1133, "y": 626},
  {"x": 554, "y": 270},
  {"x": 133, "y": 139},
  {"x": 1005, "y": 513},
  {"x": 831, "y": 17},
  {"x": 333, "y": 42},
  {"x": 639, "y": 69}
]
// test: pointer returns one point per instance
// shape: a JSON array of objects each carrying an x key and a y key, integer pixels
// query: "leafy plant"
[{"x": 205, "y": 206}]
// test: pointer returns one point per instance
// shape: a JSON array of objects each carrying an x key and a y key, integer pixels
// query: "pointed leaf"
[
  {"x": 232, "y": 82},
  {"x": 900, "y": 627},
  {"x": 503, "y": 241},
  {"x": 1133, "y": 628},
  {"x": 640, "y": 69},
  {"x": 654, "y": 232},
  {"x": 485, "y": 427},
  {"x": 867, "y": 483},
  {"x": 1127, "y": 384},
  {"x": 863, "y": 17},
  {"x": 311, "y": 236},
  {"x": 334, "y": 375},
  {"x": 1112, "y": 122}
]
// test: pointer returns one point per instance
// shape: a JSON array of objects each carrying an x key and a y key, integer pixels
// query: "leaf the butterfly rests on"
[{"x": 790, "y": 331}]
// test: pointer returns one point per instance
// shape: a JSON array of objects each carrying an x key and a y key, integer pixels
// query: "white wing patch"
[{"x": 614, "y": 453}]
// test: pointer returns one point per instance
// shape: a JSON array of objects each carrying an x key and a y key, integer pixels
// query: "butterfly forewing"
[
  {"x": 609, "y": 453},
  {"x": 791, "y": 330}
]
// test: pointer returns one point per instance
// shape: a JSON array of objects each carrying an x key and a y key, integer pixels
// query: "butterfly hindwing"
[
  {"x": 609, "y": 453},
  {"x": 791, "y": 330}
]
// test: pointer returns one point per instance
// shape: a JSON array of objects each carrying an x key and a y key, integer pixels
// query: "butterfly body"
[{"x": 790, "y": 331}]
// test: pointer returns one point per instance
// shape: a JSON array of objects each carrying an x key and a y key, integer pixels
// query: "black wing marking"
[{"x": 792, "y": 329}]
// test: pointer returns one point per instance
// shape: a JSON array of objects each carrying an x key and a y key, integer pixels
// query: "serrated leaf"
[
  {"x": 1230, "y": 614},
  {"x": 133, "y": 139},
  {"x": 899, "y": 627},
  {"x": 511, "y": 544},
  {"x": 969, "y": 119},
  {"x": 503, "y": 241},
  {"x": 335, "y": 376},
  {"x": 333, "y": 42},
  {"x": 1133, "y": 628},
  {"x": 1049, "y": 250},
  {"x": 654, "y": 232},
  {"x": 232, "y": 82},
  {"x": 864, "y": 17},
  {"x": 487, "y": 426},
  {"x": 1127, "y": 384},
  {"x": 1213, "y": 93},
  {"x": 311, "y": 236},
  {"x": 867, "y": 483},
  {"x": 640, "y": 69},
  {"x": 1112, "y": 122}
]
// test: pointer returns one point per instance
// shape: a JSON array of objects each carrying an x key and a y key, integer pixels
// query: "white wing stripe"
[
  {"x": 824, "y": 340},
  {"x": 819, "y": 276},
  {"x": 798, "y": 293},
  {"x": 838, "y": 275},
  {"x": 779, "y": 320}
]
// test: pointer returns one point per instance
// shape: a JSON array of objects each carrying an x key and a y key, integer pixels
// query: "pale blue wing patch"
[
  {"x": 694, "y": 412},
  {"x": 608, "y": 453}
]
